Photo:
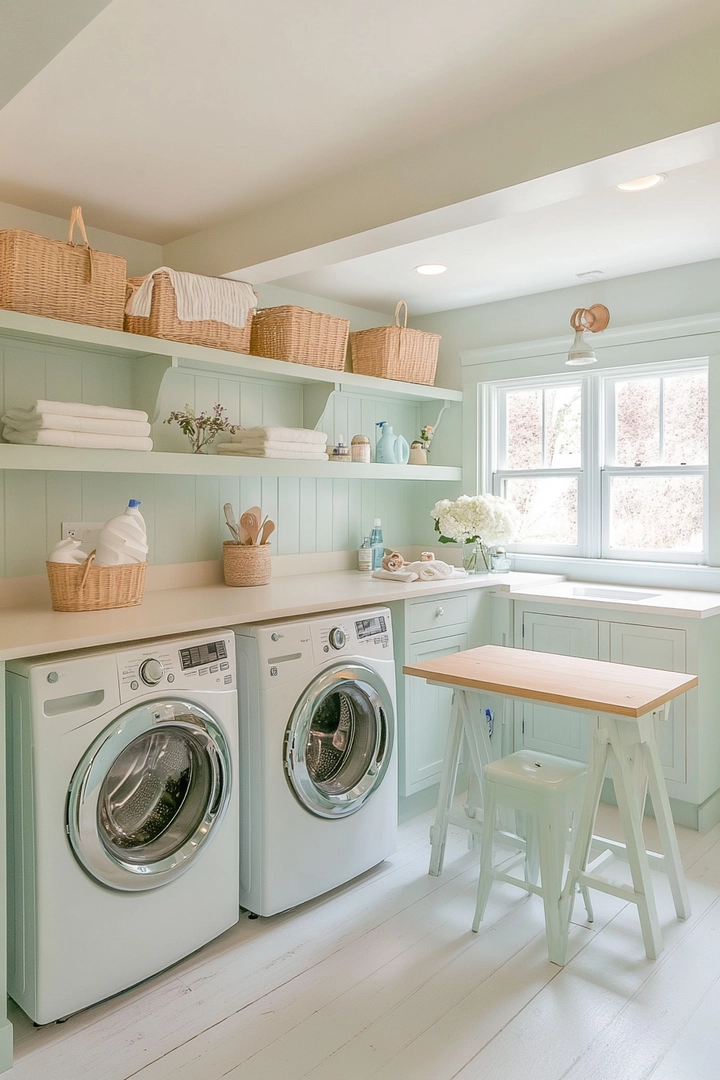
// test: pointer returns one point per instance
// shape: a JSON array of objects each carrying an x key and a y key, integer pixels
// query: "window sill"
[{"x": 619, "y": 572}]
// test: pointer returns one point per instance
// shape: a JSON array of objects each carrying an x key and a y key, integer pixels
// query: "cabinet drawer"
[{"x": 433, "y": 614}]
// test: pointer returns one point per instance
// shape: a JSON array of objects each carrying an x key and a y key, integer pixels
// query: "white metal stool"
[{"x": 550, "y": 791}]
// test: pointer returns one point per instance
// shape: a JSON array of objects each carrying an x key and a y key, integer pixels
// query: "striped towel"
[{"x": 199, "y": 298}]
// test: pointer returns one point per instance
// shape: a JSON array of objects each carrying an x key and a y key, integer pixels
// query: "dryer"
[
  {"x": 318, "y": 754},
  {"x": 123, "y": 816}
]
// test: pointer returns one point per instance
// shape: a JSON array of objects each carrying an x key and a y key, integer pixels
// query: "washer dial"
[
  {"x": 151, "y": 672},
  {"x": 337, "y": 637}
]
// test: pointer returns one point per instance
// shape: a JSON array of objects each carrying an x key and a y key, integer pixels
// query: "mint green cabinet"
[{"x": 425, "y": 629}]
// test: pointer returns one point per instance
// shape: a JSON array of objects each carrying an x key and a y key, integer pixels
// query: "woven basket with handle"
[
  {"x": 163, "y": 321},
  {"x": 62, "y": 280},
  {"x": 94, "y": 588},
  {"x": 300, "y": 336},
  {"x": 396, "y": 352}
]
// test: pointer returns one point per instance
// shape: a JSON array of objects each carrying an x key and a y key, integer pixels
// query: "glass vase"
[{"x": 476, "y": 557}]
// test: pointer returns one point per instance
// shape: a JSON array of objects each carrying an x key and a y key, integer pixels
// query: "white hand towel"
[
  {"x": 281, "y": 434},
  {"x": 48, "y": 437},
  {"x": 61, "y": 422},
  {"x": 395, "y": 575},
  {"x": 434, "y": 570},
  {"x": 275, "y": 444},
  {"x": 198, "y": 298},
  {"x": 78, "y": 408},
  {"x": 231, "y": 449}
]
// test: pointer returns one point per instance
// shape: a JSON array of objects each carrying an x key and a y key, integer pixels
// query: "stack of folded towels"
[
  {"x": 277, "y": 442},
  {"x": 71, "y": 423}
]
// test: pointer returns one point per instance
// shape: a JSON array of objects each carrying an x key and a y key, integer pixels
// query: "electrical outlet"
[{"x": 86, "y": 532}]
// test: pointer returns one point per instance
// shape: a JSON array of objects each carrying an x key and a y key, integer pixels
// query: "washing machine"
[
  {"x": 123, "y": 851},
  {"x": 318, "y": 755}
]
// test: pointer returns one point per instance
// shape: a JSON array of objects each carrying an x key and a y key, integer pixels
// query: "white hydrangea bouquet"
[{"x": 483, "y": 521}]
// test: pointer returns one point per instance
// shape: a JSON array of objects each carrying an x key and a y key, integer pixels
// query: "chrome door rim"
[
  {"x": 84, "y": 794},
  {"x": 331, "y": 681}
]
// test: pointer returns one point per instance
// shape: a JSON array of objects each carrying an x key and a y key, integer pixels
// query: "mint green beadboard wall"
[{"x": 184, "y": 514}]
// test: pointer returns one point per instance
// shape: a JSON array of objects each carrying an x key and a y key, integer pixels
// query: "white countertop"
[
  {"x": 682, "y": 603},
  {"x": 36, "y": 629}
]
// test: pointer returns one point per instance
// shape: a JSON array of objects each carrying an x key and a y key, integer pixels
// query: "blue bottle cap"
[{"x": 135, "y": 502}]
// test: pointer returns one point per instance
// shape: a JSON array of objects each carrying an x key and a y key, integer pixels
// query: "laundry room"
[{"x": 359, "y": 539}]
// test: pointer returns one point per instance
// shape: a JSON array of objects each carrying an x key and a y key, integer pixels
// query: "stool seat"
[
  {"x": 549, "y": 790},
  {"x": 529, "y": 769}
]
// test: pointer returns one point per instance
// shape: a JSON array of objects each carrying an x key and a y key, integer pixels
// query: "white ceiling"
[
  {"x": 538, "y": 250},
  {"x": 163, "y": 116}
]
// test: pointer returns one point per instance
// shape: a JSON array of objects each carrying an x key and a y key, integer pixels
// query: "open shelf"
[
  {"x": 71, "y": 459},
  {"x": 175, "y": 354}
]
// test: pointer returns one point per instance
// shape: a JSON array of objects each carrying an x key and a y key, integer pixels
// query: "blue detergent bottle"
[{"x": 377, "y": 544}]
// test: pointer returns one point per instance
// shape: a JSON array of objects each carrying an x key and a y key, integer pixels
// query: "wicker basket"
[
  {"x": 163, "y": 322},
  {"x": 95, "y": 588},
  {"x": 62, "y": 280},
  {"x": 396, "y": 352},
  {"x": 246, "y": 564},
  {"x": 300, "y": 336}
]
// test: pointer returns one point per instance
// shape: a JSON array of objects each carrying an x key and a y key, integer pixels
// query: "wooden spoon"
[
  {"x": 251, "y": 524},
  {"x": 268, "y": 530}
]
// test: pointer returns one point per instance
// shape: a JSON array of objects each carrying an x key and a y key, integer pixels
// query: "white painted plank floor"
[{"x": 383, "y": 978}]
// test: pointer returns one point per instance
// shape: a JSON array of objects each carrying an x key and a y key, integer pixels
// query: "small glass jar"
[
  {"x": 360, "y": 449},
  {"x": 500, "y": 561}
]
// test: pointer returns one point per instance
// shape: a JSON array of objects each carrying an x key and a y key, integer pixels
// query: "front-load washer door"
[
  {"x": 339, "y": 741},
  {"x": 149, "y": 794}
]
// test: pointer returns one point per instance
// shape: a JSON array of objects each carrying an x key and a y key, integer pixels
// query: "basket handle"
[
  {"x": 401, "y": 304},
  {"x": 76, "y": 218},
  {"x": 88, "y": 563}
]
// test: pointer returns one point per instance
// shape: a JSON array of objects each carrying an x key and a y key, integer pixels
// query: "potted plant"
[{"x": 201, "y": 429}]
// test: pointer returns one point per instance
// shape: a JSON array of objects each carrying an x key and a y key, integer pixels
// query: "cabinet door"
[
  {"x": 657, "y": 647},
  {"x": 545, "y": 727},
  {"x": 427, "y": 713}
]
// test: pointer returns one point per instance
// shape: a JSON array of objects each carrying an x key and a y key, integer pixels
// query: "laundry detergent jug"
[
  {"x": 123, "y": 539},
  {"x": 391, "y": 449}
]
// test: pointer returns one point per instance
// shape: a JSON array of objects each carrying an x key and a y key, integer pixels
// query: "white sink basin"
[{"x": 592, "y": 592}]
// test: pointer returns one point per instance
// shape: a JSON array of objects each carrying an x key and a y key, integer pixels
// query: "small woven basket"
[
  {"x": 300, "y": 336},
  {"x": 162, "y": 322},
  {"x": 62, "y": 280},
  {"x": 246, "y": 564},
  {"x": 396, "y": 352},
  {"x": 94, "y": 588}
]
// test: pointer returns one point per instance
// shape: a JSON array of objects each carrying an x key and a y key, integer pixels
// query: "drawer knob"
[{"x": 440, "y": 611}]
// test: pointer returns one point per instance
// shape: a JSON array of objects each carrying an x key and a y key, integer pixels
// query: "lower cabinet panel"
[{"x": 427, "y": 713}]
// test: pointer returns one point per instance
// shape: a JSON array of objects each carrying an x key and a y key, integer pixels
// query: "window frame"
[{"x": 594, "y": 476}]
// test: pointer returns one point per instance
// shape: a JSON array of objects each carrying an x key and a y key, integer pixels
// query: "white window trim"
[{"x": 593, "y": 478}]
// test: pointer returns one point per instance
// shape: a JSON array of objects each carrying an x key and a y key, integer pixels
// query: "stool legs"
[
  {"x": 486, "y": 856},
  {"x": 448, "y": 782},
  {"x": 552, "y": 843}
]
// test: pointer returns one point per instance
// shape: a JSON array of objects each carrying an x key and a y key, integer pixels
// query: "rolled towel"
[
  {"x": 198, "y": 298},
  {"x": 78, "y": 408},
  {"x": 280, "y": 434},
  {"x": 65, "y": 422},
  {"x": 234, "y": 450},
  {"x": 395, "y": 575},
  {"x": 273, "y": 444},
  {"x": 49, "y": 437}
]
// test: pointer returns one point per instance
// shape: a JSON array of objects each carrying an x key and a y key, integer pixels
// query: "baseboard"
[{"x": 701, "y": 818}]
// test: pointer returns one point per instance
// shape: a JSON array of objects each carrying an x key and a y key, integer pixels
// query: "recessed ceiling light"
[
  {"x": 431, "y": 268},
  {"x": 643, "y": 183}
]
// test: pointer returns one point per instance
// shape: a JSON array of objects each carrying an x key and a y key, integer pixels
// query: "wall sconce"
[{"x": 594, "y": 319}]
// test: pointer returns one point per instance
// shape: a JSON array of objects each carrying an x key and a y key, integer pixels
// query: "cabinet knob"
[{"x": 440, "y": 611}]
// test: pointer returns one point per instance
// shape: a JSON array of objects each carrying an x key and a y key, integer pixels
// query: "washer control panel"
[
  {"x": 357, "y": 633},
  {"x": 204, "y": 662}
]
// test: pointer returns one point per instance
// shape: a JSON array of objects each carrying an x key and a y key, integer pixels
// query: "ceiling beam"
[
  {"x": 32, "y": 32},
  {"x": 663, "y": 94}
]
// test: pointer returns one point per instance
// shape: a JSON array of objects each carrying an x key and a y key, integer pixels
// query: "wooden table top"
[{"x": 563, "y": 680}]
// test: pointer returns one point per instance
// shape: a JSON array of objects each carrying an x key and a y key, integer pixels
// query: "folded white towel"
[
  {"x": 199, "y": 298},
  {"x": 395, "y": 575},
  {"x": 280, "y": 434},
  {"x": 276, "y": 444},
  {"x": 432, "y": 570},
  {"x": 60, "y": 422},
  {"x": 78, "y": 408},
  {"x": 49, "y": 437},
  {"x": 232, "y": 449}
]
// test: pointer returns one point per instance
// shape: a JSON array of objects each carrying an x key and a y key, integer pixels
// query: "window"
[{"x": 610, "y": 465}]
